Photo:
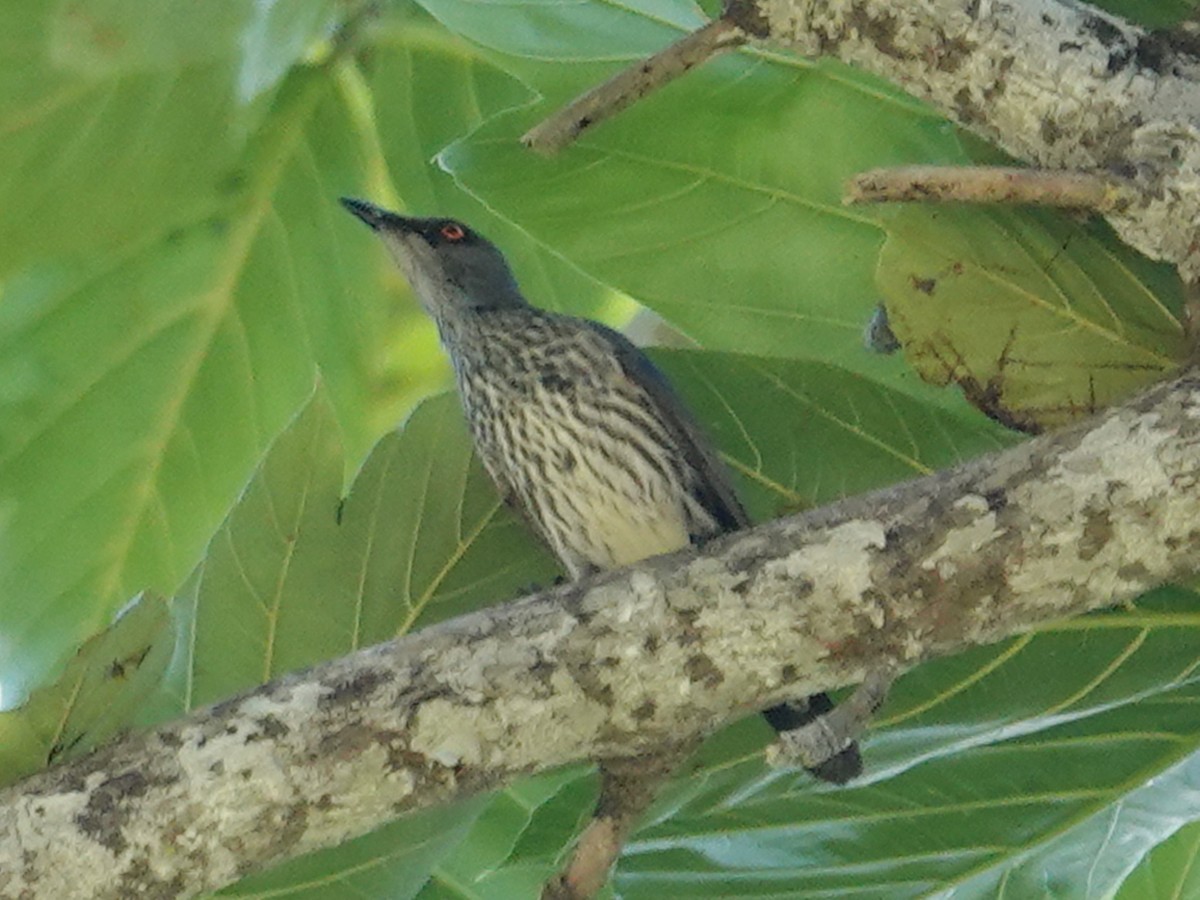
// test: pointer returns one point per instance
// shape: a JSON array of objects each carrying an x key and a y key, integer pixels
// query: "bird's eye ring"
[{"x": 452, "y": 231}]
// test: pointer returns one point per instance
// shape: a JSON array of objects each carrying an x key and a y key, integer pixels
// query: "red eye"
[{"x": 452, "y": 231}]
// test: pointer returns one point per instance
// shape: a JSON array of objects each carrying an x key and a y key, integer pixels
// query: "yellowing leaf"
[
  {"x": 1038, "y": 319},
  {"x": 109, "y": 675}
]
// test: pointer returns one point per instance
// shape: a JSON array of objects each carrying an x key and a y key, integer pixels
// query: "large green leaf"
[
  {"x": 297, "y": 575},
  {"x": 1158, "y": 14},
  {"x": 803, "y": 434},
  {"x": 149, "y": 346},
  {"x": 416, "y": 72},
  {"x": 394, "y": 861},
  {"x": 140, "y": 385},
  {"x": 1171, "y": 870},
  {"x": 94, "y": 697},
  {"x": 142, "y": 398},
  {"x": 717, "y": 201},
  {"x": 119, "y": 125},
  {"x": 519, "y": 840}
]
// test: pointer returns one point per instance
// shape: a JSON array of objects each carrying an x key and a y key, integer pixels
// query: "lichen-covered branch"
[
  {"x": 988, "y": 184},
  {"x": 662, "y": 652},
  {"x": 1056, "y": 83}
]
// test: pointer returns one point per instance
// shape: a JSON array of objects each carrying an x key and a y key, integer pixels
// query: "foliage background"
[{"x": 202, "y": 361}]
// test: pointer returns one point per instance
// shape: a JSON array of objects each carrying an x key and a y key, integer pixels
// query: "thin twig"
[
  {"x": 632, "y": 84},
  {"x": 988, "y": 184},
  {"x": 627, "y": 788}
]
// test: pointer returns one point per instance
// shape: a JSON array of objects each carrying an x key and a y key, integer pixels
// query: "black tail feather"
[{"x": 838, "y": 769}]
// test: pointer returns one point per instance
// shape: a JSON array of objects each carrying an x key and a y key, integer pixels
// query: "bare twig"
[
  {"x": 631, "y": 84},
  {"x": 627, "y": 788},
  {"x": 989, "y": 184}
]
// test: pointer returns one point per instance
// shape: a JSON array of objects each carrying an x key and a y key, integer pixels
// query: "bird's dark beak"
[{"x": 376, "y": 216}]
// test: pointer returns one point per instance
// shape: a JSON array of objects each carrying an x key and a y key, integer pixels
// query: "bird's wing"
[{"x": 711, "y": 486}]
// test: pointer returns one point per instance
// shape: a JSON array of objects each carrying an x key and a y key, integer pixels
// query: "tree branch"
[
  {"x": 986, "y": 184},
  {"x": 1055, "y": 83},
  {"x": 632, "y": 84},
  {"x": 661, "y": 652}
]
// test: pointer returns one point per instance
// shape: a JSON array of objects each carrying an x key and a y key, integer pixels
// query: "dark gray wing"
[{"x": 711, "y": 486}]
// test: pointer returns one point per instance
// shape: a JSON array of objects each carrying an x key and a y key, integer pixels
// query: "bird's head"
[{"x": 452, "y": 269}]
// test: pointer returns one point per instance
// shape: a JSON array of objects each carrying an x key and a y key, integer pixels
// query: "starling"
[{"x": 576, "y": 427}]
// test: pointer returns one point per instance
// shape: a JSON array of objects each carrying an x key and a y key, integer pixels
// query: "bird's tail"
[{"x": 837, "y": 769}]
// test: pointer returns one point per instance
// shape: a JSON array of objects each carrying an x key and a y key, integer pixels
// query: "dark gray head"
[{"x": 451, "y": 268}]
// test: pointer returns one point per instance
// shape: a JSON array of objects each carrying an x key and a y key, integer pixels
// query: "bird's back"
[{"x": 583, "y": 435}]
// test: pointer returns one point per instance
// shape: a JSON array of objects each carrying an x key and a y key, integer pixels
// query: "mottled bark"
[
  {"x": 615, "y": 667},
  {"x": 1057, "y": 84}
]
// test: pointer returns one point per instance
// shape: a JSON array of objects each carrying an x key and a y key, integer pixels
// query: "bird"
[{"x": 577, "y": 428}]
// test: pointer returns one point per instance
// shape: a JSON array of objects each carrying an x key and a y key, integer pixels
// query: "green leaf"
[
  {"x": 101, "y": 39},
  {"x": 442, "y": 544},
  {"x": 138, "y": 389},
  {"x": 393, "y": 861},
  {"x": 519, "y": 840},
  {"x": 139, "y": 401},
  {"x": 1038, "y": 319},
  {"x": 1159, "y": 14},
  {"x": 297, "y": 574},
  {"x": 103, "y": 683},
  {"x": 717, "y": 201},
  {"x": 1170, "y": 869},
  {"x": 428, "y": 88},
  {"x": 119, "y": 126},
  {"x": 800, "y": 434}
]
